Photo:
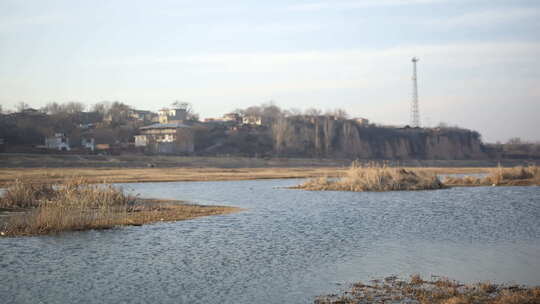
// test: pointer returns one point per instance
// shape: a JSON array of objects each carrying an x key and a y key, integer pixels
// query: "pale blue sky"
[{"x": 479, "y": 64}]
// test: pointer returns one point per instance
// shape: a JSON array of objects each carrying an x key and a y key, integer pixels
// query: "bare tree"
[
  {"x": 313, "y": 112},
  {"x": 271, "y": 111},
  {"x": 188, "y": 108},
  {"x": 514, "y": 141},
  {"x": 118, "y": 112},
  {"x": 253, "y": 111},
  {"x": 279, "y": 130},
  {"x": 73, "y": 107},
  {"x": 293, "y": 112},
  {"x": 328, "y": 131},
  {"x": 101, "y": 107},
  {"x": 340, "y": 114},
  {"x": 52, "y": 108}
]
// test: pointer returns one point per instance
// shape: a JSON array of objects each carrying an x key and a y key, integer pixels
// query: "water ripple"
[{"x": 288, "y": 246}]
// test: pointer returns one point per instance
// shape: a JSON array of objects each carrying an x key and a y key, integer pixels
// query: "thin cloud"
[
  {"x": 488, "y": 18},
  {"x": 316, "y": 6},
  {"x": 488, "y": 52},
  {"x": 14, "y": 23}
]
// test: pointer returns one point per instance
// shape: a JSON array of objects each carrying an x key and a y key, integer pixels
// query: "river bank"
[
  {"x": 140, "y": 175},
  {"x": 70, "y": 160},
  {"x": 437, "y": 290}
]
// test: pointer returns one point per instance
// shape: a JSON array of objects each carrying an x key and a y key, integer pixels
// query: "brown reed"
[
  {"x": 78, "y": 205},
  {"x": 374, "y": 177}
]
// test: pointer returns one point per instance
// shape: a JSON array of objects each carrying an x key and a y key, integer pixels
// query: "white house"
[
  {"x": 88, "y": 143},
  {"x": 58, "y": 142},
  {"x": 172, "y": 115}
]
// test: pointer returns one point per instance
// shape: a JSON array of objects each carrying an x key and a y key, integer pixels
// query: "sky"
[{"x": 479, "y": 62}]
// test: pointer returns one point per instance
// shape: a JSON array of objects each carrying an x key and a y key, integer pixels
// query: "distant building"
[
  {"x": 58, "y": 142},
  {"x": 252, "y": 120},
  {"x": 214, "y": 120},
  {"x": 233, "y": 117},
  {"x": 88, "y": 143},
  {"x": 87, "y": 126},
  {"x": 141, "y": 115},
  {"x": 362, "y": 121},
  {"x": 166, "y": 138},
  {"x": 172, "y": 115},
  {"x": 31, "y": 111}
]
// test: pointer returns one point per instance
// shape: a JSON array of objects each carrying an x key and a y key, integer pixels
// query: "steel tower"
[{"x": 415, "y": 112}]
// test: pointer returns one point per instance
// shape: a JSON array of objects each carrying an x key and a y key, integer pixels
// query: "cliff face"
[{"x": 324, "y": 137}]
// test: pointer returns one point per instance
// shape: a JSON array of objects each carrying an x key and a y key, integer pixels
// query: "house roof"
[{"x": 165, "y": 126}]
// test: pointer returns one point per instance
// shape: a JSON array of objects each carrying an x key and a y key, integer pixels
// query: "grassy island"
[
  {"x": 516, "y": 176},
  {"x": 372, "y": 177},
  {"x": 35, "y": 209},
  {"x": 434, "y": 291}
]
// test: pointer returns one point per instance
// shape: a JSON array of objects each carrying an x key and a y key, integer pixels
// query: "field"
[
  {"x": 26, "y": 160},
  {"x": 134, "y": 175},
  {"x": 36, "y": 168}
]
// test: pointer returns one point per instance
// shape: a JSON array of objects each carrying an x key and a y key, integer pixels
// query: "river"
[{"x": 288, "y": 246}]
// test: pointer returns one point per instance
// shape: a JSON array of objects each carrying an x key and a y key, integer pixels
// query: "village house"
[
  {"x": 228, "y": 119},
  {"x": 256, "y": 120},
  {"x": 88, "y": 143},
  {"x": 214, "y": 120},
  {"x": 362, "y": 121},
  {"x": 172, "y": 115},
  {"x": 58, "y": 142},
  {"x": 166, "y": 138},
  {"x": 141, "y": 115},
  {"x": 233, "y": 117}
]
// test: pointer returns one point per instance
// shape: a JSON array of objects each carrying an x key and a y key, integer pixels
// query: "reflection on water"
[{"x": 288, "y": 246}]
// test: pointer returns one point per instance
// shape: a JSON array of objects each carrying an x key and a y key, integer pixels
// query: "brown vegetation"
[
  {"x": 376, "y": 178},
  {"x": 517, "y": 176},
  {"x": 135, "y": 175},
  {"x": 77, "y": 205},
  {"x": 435, "y": 291}
]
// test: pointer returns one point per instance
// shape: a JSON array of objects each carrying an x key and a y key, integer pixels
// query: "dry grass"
[
  {"x": 77, "y": 205},
  {"x": 435, "y": 291},
  {"x": 135, "y": 175},
  {"x": 516, "y": 176},
  {"x": 374, "y": 177}
]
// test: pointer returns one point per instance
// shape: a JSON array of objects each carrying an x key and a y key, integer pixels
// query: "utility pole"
[{"x": 415, "y": 112}]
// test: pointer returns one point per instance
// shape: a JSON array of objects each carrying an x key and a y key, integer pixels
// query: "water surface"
[{"x": 286, "y": 247}]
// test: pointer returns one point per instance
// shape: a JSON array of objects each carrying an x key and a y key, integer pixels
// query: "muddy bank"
[{"x": 416, "y": 290}]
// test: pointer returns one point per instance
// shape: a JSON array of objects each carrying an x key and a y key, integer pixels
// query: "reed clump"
[
  {"x": 434, "y": 291},
  {"x": 78, "y": 205},
  {"x": 515, "y": 176},
  {"x": 373, "y": 177}
]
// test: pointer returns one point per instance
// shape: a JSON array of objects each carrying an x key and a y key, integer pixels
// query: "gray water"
[{"x": 288, "y": 246}]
